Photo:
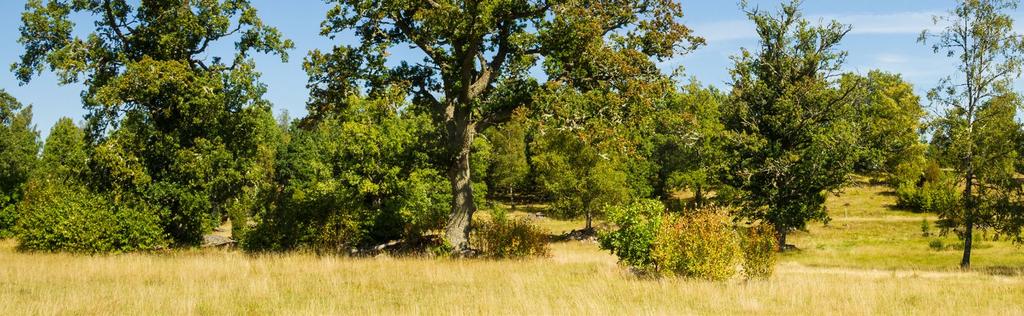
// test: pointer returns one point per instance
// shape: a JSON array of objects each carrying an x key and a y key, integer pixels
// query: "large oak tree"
[{"x": 477, "y": 58}]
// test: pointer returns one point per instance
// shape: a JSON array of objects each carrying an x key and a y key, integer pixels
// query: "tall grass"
[
  {"x": 869, "y": 260},
  {"x": 578, "y": 279}
]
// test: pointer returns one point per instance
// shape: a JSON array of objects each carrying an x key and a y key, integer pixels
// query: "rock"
[
  {"x": 387, "y": 245},
  {"x": 584, "y": 235},
  {"x": 210, "y": 241}
]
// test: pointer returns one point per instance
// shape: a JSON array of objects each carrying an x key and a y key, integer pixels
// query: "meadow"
[{"x": 870, "y": 259}]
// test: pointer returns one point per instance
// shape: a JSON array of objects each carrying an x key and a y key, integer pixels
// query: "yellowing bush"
[
  {"x": 701, "y": 245},
  {"x": 760, "y": 252},
  {"x": 510, "y": 238}
]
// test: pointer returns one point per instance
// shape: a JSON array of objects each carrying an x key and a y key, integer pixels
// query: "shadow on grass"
[{"x": 1003, "y": 271}]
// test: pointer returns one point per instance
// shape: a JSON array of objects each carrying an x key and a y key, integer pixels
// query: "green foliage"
[
  {"x": 689, "y": 142},
  {"x": 977, "y": 134},
  {"x": 371, "y": 186},
  {"x": 582, "y": 181},
  {"x": 887, "y": 114},
  {"x": 64, "y": 157},
  {"x": 926, "y": 228},
  {"x": 637, "y": 227},
  {"x": 19, "y": 147},
  {"x": 700, "y": 245},
  {"x": 477, "y": 61},
  {"x": 932, "y": 197},
  {"x": 790, "y": 136},
  {"x": 173, "y": 124},
  {"x": 480, "y": 163},
  {"x": 510, "y": 167},
  {"x": 507, "y": 238},
  {"x": 72, "y": 219},
  {"x": 760, "y": 252}
]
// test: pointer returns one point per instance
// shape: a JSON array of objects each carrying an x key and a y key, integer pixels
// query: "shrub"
[
  {"x": 638, "y": 225},
  {"x": 931, "y": 197},
  {"x": 700, "y": 245},
  {"x": 507, "y": 238},
  {"x": 76, "y": 220},
  {"x": 760, "y": 252},
  {"x": 936, "y": 244},
  {"x": 8, "y": 215},
  {"x": 703, "y": 244}
]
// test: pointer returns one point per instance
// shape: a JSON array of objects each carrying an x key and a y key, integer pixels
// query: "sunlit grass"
[
  {"x": 577, "y": 279},
  {"x": 869, "y": 260}
]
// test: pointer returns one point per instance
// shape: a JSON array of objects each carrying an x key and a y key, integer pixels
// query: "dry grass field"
[{"x": 869, "y": 260}]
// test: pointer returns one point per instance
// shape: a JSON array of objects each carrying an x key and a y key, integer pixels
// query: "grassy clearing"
[
  {"x": 869, "y": 260},
  {"x": 868, "y": 232}
]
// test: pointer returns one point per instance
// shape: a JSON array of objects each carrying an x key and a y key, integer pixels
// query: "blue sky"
[{"x": 883, "y": 37}]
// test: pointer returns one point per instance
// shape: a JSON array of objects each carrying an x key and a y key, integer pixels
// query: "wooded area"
[{"x": 519, "y": 103}]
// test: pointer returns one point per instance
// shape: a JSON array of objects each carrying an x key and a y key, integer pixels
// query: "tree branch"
[{"x": 112, "y": 22}]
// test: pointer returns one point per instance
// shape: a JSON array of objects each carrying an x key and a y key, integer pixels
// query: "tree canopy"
[
  {"x": 172, "y": 123},
  {"x": 789, "y": 125}
]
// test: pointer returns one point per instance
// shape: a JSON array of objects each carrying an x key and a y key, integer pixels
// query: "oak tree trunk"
[
  {"x": 780, "y": 233},
  {"x": 461, "y": 217}
]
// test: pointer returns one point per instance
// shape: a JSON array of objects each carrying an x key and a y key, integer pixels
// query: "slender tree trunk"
[
  {"x": 698, "y": 196},
  {"x": 511, "y": 198},
  {"x": 590, "y": 220},
  {"x": 461, "y": 217},
  {"x": 965, "y": 262}
]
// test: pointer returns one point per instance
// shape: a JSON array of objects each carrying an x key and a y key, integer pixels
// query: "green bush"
[
  {"x": 76, "y": 220},
  {"x": 760, "y": 252},
  {"x": 638, "y": 226},
  {"x": 936, "y": 244},
  {"x": 507, "y": 238},
  {"x": 8, "y": 215},
  {"x": 931, "y": 197},
  {"x": 701, "y": 245}
]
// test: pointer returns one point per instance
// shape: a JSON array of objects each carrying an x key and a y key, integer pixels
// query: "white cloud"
[
  {"x": 893, "y": 23},
  {"x": 725, "y": 30},
  {"x": 891, "y": 59}
]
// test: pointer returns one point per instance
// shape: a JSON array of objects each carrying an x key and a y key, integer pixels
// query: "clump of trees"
[
  {"x": 693, "y": 180},
  {"x": 170, "y": 127},
  {"x": 19, "y": 145},
  {"x": 374, "y": 185}
]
